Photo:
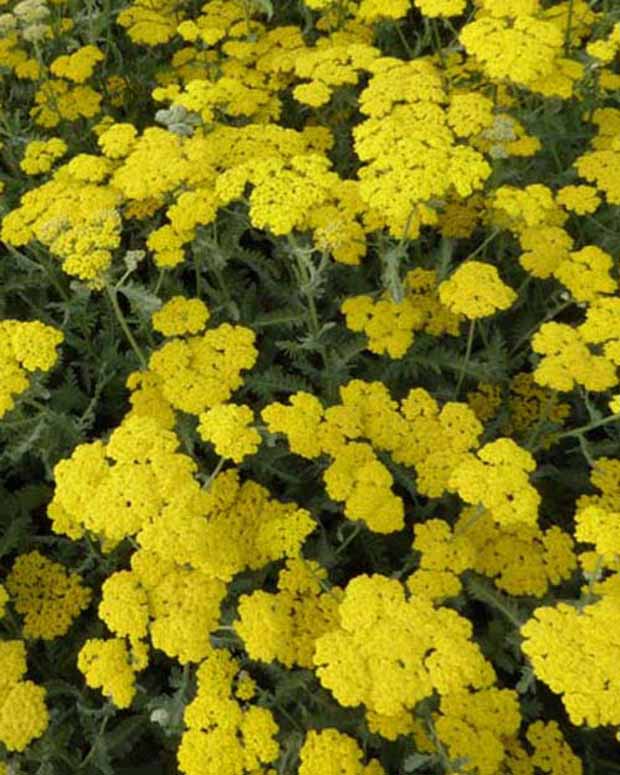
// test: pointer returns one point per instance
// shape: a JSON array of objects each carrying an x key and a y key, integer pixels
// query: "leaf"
[
  {"x": 416, "y": 761},
  {"x": 140, "y": 298},
  {"x": 122, "y": 738},
  {"x": 276, "y": 380},
  {"x": 265, "y": 6}
]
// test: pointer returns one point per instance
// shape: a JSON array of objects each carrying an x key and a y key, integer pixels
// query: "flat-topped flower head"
[{"x": 476, "y": 290}]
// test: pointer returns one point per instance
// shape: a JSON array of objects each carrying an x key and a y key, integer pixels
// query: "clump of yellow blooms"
[
  {"x": 148, "y": 400},
  {"x": 586, "y": 273},
  {"x": 407, "y": 137},
  {"x": 522, "y": 559},
  {"x": 40, "y": 155},
  {"x": 24, "y": 347},
  {"x": 513, "y": 42},
  {"x": 108, "y": 665},
  {"x": 328, "y": 67},
  {"x": 545, "y": 247},
  {"x": 476, "y": 290},
  {"x": 599, "y": 526},
  {"x": 579, "y": 199},
  {"x": 201, "y": 371},
  {"x": 180, "y": 316},
  {"x": 322, "y": 748},
  {"x": 230, "y": 527},
  {"x": 75, "y": 218},
  {"x": 285, "y": 625},
  {"x": 473, "y": 725},
  {"x": 551, "y": 751},
  {"x": 434, "y": 439},
  {"x": 429, "y": 649},
  {"x": 574, "y": 651},
  {"x": 435, "y": 8},
  {"x": 407, "y": 147},
  {"x": 23, "y": 713},
  {"x": 390, "y": 325},
  {"x": 364, "y": 483},
  {"x": 179, "y": 606},
  {"x": 417, "y": 434},
  {"x": 520, "y": 209},
  {"x": 497, "y": 478},
  {"x": 46, "y": 595},
  {"x": 113, "y": 490},
  {"x": 587, "y": 354},
  {"x": 223, "y": 736},
  {"x": 78, "y": 66},
  {"x": 149, "y": 24},
  {"x": 228, "y": 428}
]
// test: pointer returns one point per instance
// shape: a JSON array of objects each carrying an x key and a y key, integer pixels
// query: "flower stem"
[
  {"x": 123, "y": 324},
  {"x": 470, "y": 342}
]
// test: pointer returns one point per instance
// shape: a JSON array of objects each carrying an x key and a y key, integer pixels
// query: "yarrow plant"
[{"x": 309, "y": 387}]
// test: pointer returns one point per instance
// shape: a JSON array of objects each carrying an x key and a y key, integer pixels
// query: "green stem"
[
  {"x": 159, "y": 282},
  {"x": 403, "y": 40},
  {"x": 481, "y": 247},
  {"x": 123, "y": 324},
  {"x": 214, "y": 473},
  {"x": 590, "y": 427},
  {"x": 437, "y": 42},
  {"x": 354, "y": 533},
  {"x": 470, "y": 342},
  {"x": 488, "y": 596},
  {"x": 526, "y": 337},
  {"x": 569, "y": 28}
]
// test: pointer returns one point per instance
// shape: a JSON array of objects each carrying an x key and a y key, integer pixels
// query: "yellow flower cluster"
[
  {"x": 228, "y": 427},
  {"x": 115, "y": 489},
  {"x": 75, "y": 218},
  {"x": 180, "y": 316},
  {"x": 177, "y": 606},
  {"x": 23, "y": 713},
  {"x": 417, "y": 434},
  {"x": 410, "y": 156},
  {"x": 496, "y": 478},
  {"x": 476, "y": 291},
  {"x": 40, "y": 155},
  {"x": 58, "y": 100},
  {"x": 231, "y": 528},
  {"x": 285, "y": 625},
  {"x": 473, "y": 725},
  {"x": 575, "y": 652},
  {"x": 441, "y": 8},
  {"x": 78, "y": 66},
  {"x": 598, "y": 526},
  {"x": 46, "y": 595},
  {"x": 429, "y": 649},
  {"x": 147, "y": 399},
  {"x": 514, "y": 44},
  {"x": 579, "y": 199},
  {"x": 322, "y": 748},
  {"x": 390, "y": 325},
  {"x": 522, "y": 559},
  {"x": 586, "y": 273},
  {"x": 330, "y": 66},
  {"x": 362, "y": 481},
  {"x": 110, "y": 666},
  {"x": 587, "y": 354},
  {"x": 24, "y": 347},
  {"x": 199, "y": 372},
  {"x": 223, "y": 736}
]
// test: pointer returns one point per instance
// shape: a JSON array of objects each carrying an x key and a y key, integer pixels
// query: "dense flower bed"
[{"x": 309, "y": 389}]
